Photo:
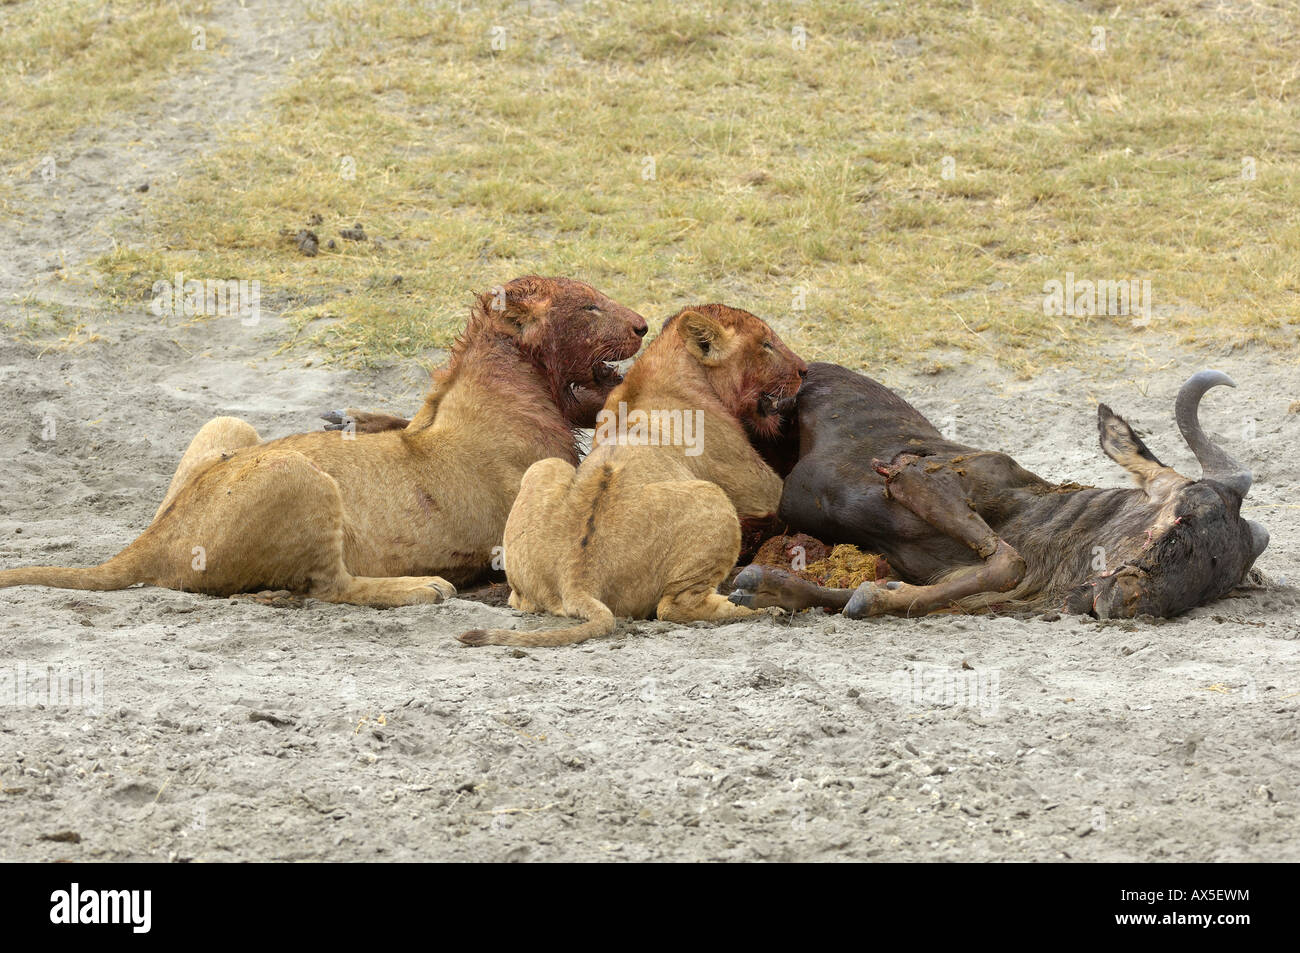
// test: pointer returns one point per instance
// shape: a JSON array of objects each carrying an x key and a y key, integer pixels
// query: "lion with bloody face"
[
  {"x": 650, "y": 523},
  {"x": 397, "y": 516}
]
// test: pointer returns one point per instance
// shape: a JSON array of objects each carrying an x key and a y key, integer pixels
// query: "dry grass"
[
  {"x": 69, "y": 64},
  {"x": 777, "y": 171}
]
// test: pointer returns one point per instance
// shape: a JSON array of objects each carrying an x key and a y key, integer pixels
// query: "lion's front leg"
[{"x": 699, "y": 606}]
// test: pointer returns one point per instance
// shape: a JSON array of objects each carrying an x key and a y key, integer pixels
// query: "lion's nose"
[
  {"x": 641, "y": 329},
  {"x": 803, "y": 373}
]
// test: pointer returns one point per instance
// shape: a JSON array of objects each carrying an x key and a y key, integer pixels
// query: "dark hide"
[{"x": 973, "y": 528}]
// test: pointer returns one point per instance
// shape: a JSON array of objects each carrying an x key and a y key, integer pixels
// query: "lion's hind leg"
[
  {"x": 300, "y": 509},
  {"x": 152, "y": 558},
  {"x": 698, "y": 561},
  {"x": 216, "y": 439},
  {"x": 270, "y": 519}
]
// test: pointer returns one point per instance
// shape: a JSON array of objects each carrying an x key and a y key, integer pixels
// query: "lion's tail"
[
  {"x": 599, "y": 621},
  {"x": 117, "y": 573}
]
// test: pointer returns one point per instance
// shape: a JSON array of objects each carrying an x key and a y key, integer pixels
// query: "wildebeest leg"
[
  {"x": 758, "y": 587},
  {"x": 362, "y": 421},
  {"x": 935, "y": 493},
  {"x": 848, "y": 504},
  {"x": 830, "y": 501}
]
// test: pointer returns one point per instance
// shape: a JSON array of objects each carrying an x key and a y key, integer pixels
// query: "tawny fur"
[
  {"x": 391, "y": 518},
  {"x": 639, "y": 530}
]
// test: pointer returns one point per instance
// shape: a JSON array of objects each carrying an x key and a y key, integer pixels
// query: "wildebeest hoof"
[
  {"x": 756, "y": 600},
  {"x": 743, "y": 597},
  {"x": 745, "y": 591},
  {"x": 860, "y": 603},
  {"x": 762, "y": 587},
  {"x": 335, "y": 419},
  {"x": 749, "y": 577}
]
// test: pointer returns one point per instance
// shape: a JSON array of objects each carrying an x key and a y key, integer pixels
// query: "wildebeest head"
[{"x": 1189, "y": 543}]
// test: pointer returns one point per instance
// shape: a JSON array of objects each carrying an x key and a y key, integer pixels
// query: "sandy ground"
[{"x": 215, "y": 730}]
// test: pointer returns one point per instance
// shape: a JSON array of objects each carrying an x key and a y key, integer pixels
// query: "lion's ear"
[
  {"x": 519, "y": 301},
  {"x": 703, "y": 336}
]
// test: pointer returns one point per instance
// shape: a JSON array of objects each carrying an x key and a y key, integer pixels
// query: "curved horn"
[
  {"x": 1215, "y": 464},
  {"x": 1258, "y": 538}
]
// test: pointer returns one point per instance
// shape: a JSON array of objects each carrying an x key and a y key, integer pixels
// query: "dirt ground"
[{"x": 220, "y": 730}]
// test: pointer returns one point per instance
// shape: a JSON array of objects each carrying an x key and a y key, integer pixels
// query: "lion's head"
[
  {"x": 569, "y": 331},
  {"x": 742, "y": 361}
]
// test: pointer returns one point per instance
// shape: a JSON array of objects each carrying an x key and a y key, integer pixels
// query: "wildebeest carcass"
[{"x": 973, "y": 529}]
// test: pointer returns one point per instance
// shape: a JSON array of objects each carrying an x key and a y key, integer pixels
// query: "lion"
[
  {"x": 397, "y": 517},
  {"x": 650, "y": 523}
]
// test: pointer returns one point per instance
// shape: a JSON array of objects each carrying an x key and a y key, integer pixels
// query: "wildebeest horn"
[
  {"x": 1258, "y": 538},
  {"x": 1215, "y": 464}
]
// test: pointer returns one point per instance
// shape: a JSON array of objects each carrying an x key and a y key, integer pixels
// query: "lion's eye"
[
  {"x": 768, "y": 345},
  {"x": 591, "y": 308}
]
